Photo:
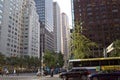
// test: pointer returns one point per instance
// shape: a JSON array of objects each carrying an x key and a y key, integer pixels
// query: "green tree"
[
  {"x": 60, "y": 60},
  {"x": 49, "y": 59},
  {"x": 2, "y": 59},
  {"x": 52, "y": 59},
  {"x": 13, "y": 61},
  {"x": 36, "y": 62},
  {"x": 116, "y": 44},
  {"x": 116, "y": 51},
  {"x": 81, "y": 44}
]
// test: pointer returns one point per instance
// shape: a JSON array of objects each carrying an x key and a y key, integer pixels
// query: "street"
[
  {"x": 55, "y": 77},
  {"x": 28, "y": 76}
]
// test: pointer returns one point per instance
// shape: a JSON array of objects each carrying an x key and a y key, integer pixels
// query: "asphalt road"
[{"x": 28, "y": 76}]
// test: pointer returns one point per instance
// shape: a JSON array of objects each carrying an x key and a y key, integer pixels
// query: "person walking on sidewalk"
[
  {"x": 14, "y": 72},
  {"x": 52, "y": 72},
  {"x": 7, "y": 72}
]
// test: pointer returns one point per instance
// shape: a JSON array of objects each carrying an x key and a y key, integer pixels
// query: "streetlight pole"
[
  {"x": 104, "y": 52},
  {"x": 42, "y": 63}
]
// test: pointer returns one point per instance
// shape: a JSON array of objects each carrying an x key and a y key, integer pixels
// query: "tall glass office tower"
[{"x": 45, "y": 12}]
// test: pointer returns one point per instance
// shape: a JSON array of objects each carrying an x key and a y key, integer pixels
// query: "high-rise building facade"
[
  {"x": 57, "y": 27},
  {"x": 10, "y": 27},
  {"x": 31, "y": 30},
  {"x": 65, "y": 38},
  {"x": 100, "y": 21},
  {"x": 45, "y": 12},
  {"x": 14, "y": 30}
]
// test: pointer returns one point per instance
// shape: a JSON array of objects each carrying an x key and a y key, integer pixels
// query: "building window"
[
  {"x": 115, "y": 10},
  {"x": 0, "y": 22},
  {"x": 26, "y": 36},
  {"x": 2, "y": 0},
  {"x": 90, "y": 13},
  {"x": 0, "y": 17},
  {"x": 25, "y": 48},
  {"x": 8, "y": 44},
  {"x": 89, "y": 9},
  {"x": 1, "y": 11},
  {"x": 11, "y": 9},
  {"x": 1, "y": 5}
]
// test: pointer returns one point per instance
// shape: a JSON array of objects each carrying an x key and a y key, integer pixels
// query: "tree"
[
  {"x": 2, "y": 59},
  {"x": 116, "y": 44},
  {"x": 116, "y": 51},
  {"x": 81, "y": 44},
  {"x": 52, "y": 59},
  {"x": 60, "y": 60},
  {"x": 21, "y": 62},
  {"x": 13, "y": 61},
  {"x": 49, "y": 59}
]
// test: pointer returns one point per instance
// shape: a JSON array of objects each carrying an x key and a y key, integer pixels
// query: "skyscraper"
[
  {"x": 65, "y": 38},
  {"x": 100, "y": 21},
  {"x": 10, "y": 27},
  {"x": 15, "y": 30},
  {"x": 45, "y": 12},
  {"x": 57, "y": 27},
  {"x": 31, "y": 30}
]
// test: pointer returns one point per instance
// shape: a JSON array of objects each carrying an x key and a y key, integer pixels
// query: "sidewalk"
[
  {"x": 48, "y": 77},
  {"x": 55, "y": 75}
]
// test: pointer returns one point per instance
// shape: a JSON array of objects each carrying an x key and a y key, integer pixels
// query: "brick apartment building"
[{"x": 100, "y": 21}]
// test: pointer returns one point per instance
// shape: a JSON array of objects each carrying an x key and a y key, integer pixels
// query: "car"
[
  {"x": 75, "y": 73},
  {"x": 105, "y": 75}
]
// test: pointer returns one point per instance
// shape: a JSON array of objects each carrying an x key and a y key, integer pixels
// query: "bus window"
[
  {"x": 104, "y": 62},
  {"x": 85, "y": 63},
  {"x": 95, "y": 63}
]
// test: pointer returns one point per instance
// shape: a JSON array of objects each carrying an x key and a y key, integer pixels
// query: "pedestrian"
[
  {"x": 52, "y": 72},
  {"x": 14, "y": 71},
  {"x": 7, "y": 72}
]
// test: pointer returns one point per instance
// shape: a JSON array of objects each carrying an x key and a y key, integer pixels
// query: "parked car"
[
  {"x": 105, "y": 75},
  {"x": 75, "y": 74}
]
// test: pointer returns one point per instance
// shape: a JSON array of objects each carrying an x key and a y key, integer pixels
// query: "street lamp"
[
  {"x": 104, "y": 52},
  {"x": 42, "y": 63}
]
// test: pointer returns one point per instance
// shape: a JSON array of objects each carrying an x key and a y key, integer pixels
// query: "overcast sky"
[{"x": 65, "y": 6}]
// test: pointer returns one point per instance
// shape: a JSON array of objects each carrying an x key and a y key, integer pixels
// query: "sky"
[{"x": 65, "y": 6}]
